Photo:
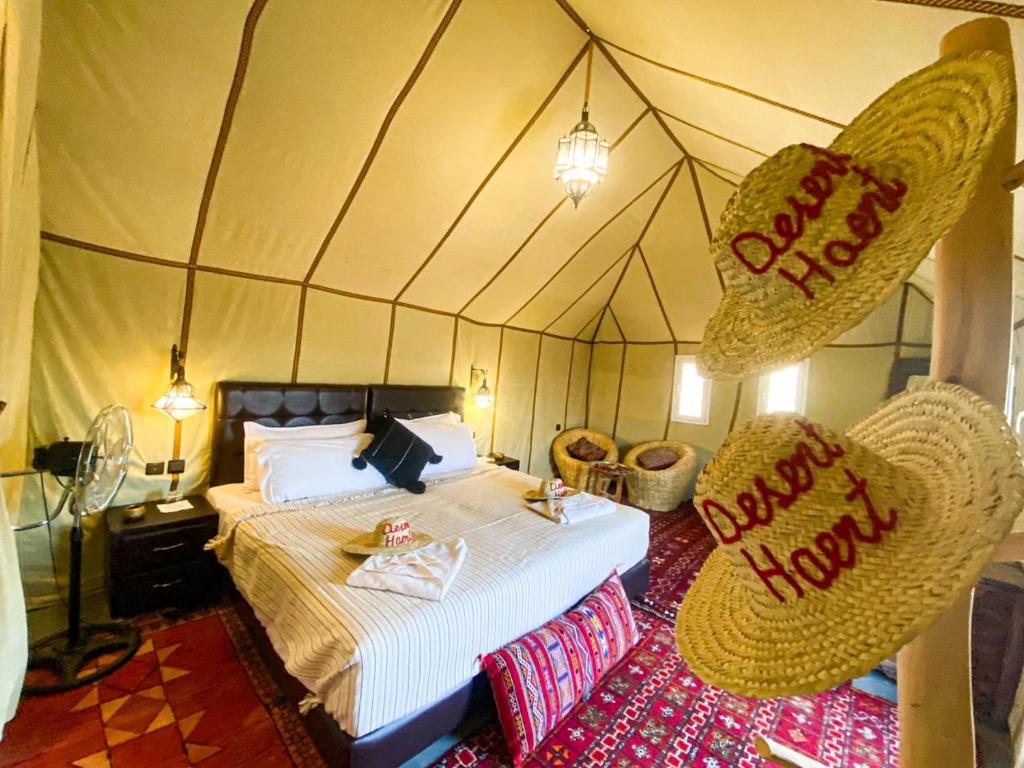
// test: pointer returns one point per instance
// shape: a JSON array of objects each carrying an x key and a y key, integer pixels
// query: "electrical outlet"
[
  {"x": 558, "y": 427},
  {"x": 155, "y": 468},
  {"x": 175, "y": 466}
]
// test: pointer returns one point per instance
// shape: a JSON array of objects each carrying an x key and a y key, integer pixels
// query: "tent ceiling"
[{"x": 403, "y": 151}]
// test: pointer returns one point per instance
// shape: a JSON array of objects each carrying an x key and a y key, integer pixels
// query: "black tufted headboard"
[
  {"x": 276, "y": 405},
  {"x": 299, "y": 405},
  {"x": 412, "y": 401}
]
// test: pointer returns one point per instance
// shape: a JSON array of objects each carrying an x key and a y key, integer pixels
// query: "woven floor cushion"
[
  {"x": 540, "y": 677},
  {"x": 657, "y": 458}
]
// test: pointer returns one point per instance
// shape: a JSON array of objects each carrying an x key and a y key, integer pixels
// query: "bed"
[{"x": 391, "y": 673}]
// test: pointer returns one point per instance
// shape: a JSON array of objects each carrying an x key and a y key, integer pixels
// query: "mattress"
[{"x": 374, "y": 657}]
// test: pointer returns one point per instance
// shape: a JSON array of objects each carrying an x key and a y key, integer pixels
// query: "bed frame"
[{"x": 296, "y": 405}]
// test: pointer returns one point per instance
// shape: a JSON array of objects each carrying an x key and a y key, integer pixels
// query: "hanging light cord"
[{"x": 586, "y": 87}]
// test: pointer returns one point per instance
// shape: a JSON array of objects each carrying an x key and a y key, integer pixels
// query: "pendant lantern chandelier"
[{"x": 582, "y": 160}]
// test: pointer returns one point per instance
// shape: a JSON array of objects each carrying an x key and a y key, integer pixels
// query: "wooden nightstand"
[
  {"x": 505, "y": 461},
  {"x": 159, "y": 561}
]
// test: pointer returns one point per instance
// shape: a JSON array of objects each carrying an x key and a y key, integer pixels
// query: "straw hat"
[
  {"x": 814, "y": 239},
  {"x": 392, "y": 536},
  {"x": 835, "y": 550},
  {"x": 553, "y": 488}
]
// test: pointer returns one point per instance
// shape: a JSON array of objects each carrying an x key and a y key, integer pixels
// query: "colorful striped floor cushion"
[{"x": 540, "y": 677}]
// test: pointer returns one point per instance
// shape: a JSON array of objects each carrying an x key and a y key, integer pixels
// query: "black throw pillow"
[{"x": 396, "y": 453}]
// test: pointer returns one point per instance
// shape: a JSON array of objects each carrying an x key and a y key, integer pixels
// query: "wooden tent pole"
[{"x": 970, "y": 346}]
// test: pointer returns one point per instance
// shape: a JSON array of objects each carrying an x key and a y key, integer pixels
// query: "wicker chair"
[
  {"x": 574, "y": 472},
  {"x": 660, "y": 489}
]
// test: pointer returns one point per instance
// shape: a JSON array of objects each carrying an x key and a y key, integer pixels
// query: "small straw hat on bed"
[
  {"x": 814, "y": 239},
  {"x": 835, "y": 550},
  {"x": 392, "y": 536},
  {"x": 553, "y": 488}
]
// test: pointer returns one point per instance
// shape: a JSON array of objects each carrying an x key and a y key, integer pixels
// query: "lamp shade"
[
  {"x": 483, "y": 397},
  {"x": 180, "y": 402}
]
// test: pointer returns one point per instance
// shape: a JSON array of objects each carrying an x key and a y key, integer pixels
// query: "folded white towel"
[
  {"x": 425, "y": 573},
  {"x": 573, "y": 509}
]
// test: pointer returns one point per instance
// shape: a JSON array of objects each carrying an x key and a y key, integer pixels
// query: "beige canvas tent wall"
[
  {"x": 631, "y": 380},
  {"x": 361, "y": 192},
  {"x": 299, "y": 190}
]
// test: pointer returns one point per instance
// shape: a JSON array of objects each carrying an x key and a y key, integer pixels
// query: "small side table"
[
  {"x": 159, "y": 560},
  {"x": 505, "y": 461},
  {"x": 607, "y": 479}
]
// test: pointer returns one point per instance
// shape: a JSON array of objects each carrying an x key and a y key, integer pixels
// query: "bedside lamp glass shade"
[
  {"x": 483, "y": 398},
  {"x": 180, "y": 400}
]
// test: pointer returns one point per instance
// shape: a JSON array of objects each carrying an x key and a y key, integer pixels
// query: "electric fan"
[{"x": 61, "y": 660}]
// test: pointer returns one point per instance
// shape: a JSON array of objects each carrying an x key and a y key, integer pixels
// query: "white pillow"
[
  {"x": 299, "y": 469},
  {"x": 258, "y": 433},
  {"x": 450, "y": 418},
  {"x": 454, "y": 443}
]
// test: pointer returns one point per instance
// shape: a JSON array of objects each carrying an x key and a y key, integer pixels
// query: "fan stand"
[{"x": 66, "y": 653}]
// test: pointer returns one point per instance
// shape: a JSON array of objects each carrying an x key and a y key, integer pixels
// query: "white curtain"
[
  {"x": 19, "y": 277},
  {"x": 13, "y": 632}
]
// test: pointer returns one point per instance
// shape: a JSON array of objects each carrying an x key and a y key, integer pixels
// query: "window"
[
  {"x": 783, "y": 390},
  {"x": 691, "y": 392}
]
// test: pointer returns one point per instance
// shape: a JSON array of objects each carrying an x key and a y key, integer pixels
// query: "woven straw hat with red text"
[
  {"x": 814, "y": 239},
  {"x": 392, "y": 536},
  {"x": 836, "y": 549}
]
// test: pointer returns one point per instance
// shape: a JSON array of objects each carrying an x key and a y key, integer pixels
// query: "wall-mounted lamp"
[
  {"x": 483, "y": 397},
  {"x": 180, "y": 400}
]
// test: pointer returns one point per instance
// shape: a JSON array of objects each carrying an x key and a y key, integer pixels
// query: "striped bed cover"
[{"x": 373, "y": 657}]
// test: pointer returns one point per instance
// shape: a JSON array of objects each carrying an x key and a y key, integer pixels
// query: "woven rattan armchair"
[
  {"x": 574, "y": 472},
  {"x": 660, "y": 489}
]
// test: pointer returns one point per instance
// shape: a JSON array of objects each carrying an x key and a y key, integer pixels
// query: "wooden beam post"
[{"x": 971, "y": 346}]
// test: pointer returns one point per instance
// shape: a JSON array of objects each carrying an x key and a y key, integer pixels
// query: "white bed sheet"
[
  {"x": 231, "y": 499},
  {"x": 373, "y": 657}
]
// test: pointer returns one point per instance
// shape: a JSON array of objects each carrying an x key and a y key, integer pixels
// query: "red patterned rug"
[
  {"x": 652, "y": 711},
  {"x": 680, "y": 543},
  {"x": 198, "y": 694},
  {"x": 195, "y": 694}
]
